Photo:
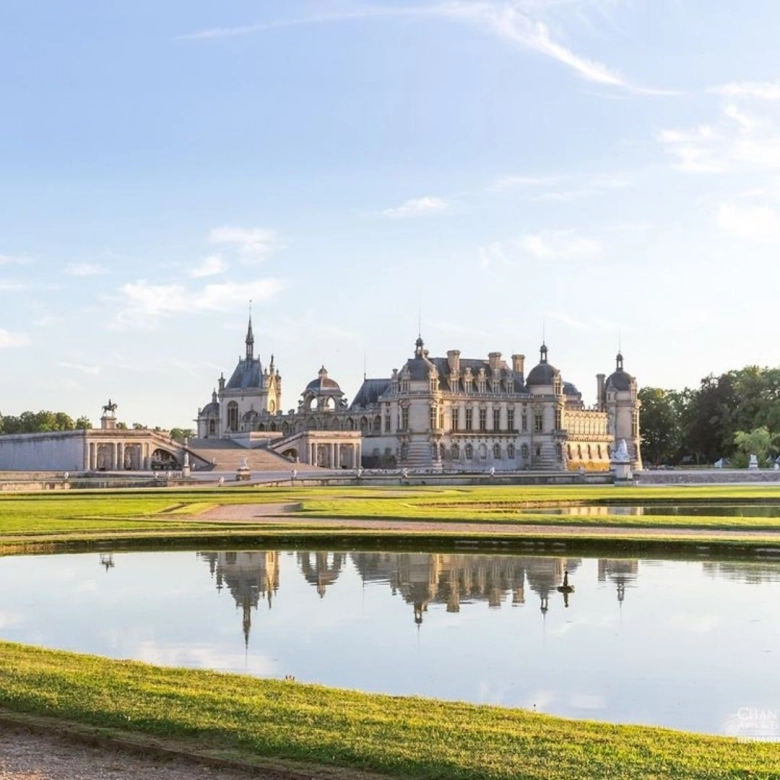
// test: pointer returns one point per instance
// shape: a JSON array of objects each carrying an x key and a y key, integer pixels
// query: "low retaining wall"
[{"x": 706, "y": 476}]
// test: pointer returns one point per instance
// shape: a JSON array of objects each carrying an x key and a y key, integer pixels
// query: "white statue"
[
  {"x": 753, "y": 463},
  {"x": 621, "y": 453}
]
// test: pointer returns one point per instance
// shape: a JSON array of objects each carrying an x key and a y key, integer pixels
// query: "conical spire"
[{"x": 250, "y": 340}]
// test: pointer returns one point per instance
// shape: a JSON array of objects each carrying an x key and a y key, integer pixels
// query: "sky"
[{"x": 600, "y": 174}]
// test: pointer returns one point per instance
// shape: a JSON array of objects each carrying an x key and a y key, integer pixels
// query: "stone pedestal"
[{"x": 623, "y": 472}]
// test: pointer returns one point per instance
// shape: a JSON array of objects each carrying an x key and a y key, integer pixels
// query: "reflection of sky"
[{"x": 688, "y": 647}]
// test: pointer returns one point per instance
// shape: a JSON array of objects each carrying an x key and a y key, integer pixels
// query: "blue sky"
[{"x": 604, "y": 171}]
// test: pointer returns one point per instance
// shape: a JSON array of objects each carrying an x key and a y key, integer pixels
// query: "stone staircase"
[{"x": 225, "y": 455}]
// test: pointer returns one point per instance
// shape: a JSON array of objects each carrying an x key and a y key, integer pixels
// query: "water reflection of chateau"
[
  {"x": 250, "y": 577},
  {"x": 621, "y": 571},
  {"x": 321, "y": 569}
]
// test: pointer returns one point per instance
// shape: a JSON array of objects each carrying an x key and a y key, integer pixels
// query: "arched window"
[
  {"x": 212, "y": 426},
  {"x": 469, "y": 452},
  {"x": 272, "y": 426},
  {"x": 524, "y": 451},
  {"x": 497, "y": 451},
  {"x": 482, "y": 451},
  {"x": 378, "y": 424},
  {"x": 511, "y": 452},
  {"x": 232, "y": 416},
  {"x": 455, "y": 452},
  {"x": 404, "y": 451}
]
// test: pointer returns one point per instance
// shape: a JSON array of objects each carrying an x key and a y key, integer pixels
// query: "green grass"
[
  {"x": 242, "y": 717},
  {"x": 254, "y": 720}
]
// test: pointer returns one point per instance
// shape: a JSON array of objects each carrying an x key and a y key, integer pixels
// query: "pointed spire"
[
  {"x": 543, "y": 353},
  {"x": 250, "y": 337}
]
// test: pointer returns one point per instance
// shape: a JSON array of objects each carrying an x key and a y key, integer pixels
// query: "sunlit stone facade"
[{"x": 436, "y": 413}]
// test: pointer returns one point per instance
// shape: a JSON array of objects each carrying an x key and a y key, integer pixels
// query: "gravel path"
[
  {"x": 26, "y": 755},
  {"x": 278, "y": 514}
]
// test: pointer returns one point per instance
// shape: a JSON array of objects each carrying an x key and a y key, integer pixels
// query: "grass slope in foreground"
[{"x": 245, "y": 718}]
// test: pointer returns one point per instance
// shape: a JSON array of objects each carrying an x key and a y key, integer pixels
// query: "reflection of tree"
[
  {"x": 620, "y": 571},
  {"x": 249, "y": 576},
  {"x": 749, "y": 572}
]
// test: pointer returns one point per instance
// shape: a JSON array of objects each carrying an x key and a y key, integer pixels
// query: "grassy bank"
[
  {"x": 252, "y": 720},
  {"x": 245, "y": 718}
]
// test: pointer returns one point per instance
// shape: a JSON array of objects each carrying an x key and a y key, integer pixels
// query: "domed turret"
[
  {"x": 620, "y": 379},
  {"x": 543, "y": 373}
]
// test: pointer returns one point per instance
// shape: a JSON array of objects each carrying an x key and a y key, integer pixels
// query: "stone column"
[{"x": 120, "y": 456}]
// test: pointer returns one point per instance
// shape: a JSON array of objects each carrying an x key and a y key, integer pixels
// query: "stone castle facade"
[{"x": 436, "y": 413}]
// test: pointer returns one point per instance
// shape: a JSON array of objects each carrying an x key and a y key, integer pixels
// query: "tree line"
[
  {"x": 730, "y": 416},
  {"x": 47, "y": 422}
]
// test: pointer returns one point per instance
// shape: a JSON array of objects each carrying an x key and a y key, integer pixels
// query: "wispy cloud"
[
  {"x": 83, "y": 369},
  {"x": 255, "y": 243},
  {"x": 85, "y": 269},
  {"x": 514, "y": 22},
  {"x": 492, "y": 254},
  {"x": 559, "y": 244},
  {"x": 209, "y": 266},
  {"x": 11, "y": 285},
  {"x": 9, "y": 340},
  {"x": 418, "y": 207},
  {"x": 758, "y": 90},
  {"x": 143, "y": 304},
  {"x": 14, "y": 260},
  {"x": 561, "y": 188},
  {"x": 760, "y": 223}
]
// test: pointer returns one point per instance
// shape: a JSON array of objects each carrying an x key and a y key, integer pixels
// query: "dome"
[
  {"x": 543, "y": 373},
  {"x": 323, "y": 383},
  {"x": 210, "y": 410},
  {"x": 620, "y": 379},
  {"x": 570, "y": 389}
]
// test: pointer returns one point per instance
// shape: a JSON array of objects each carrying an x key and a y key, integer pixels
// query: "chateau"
[{"x": 437, "y": 413}]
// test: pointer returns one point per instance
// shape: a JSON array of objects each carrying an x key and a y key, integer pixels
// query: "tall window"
[
  {"x": 434, "y": 416},
  {"x": 404, "y": 418},
  {"x": 469, "y": 452},
  {"x": 455, "y": 418},
  {"x": 496, "y": 452},
  {"x": 510, "y": 452},
  {"x": 496, "y": 419},
  {"x": 524, "y": 421},
  {"x": 481, "y": 383},
  {"x": 469, "y": 419},
  {"x": 483, "y": 419},
  {"x": 232, "y": 420},
  {"x": 539, "y": 422},
  {"x": 510, "y": 419},
  {"x": 387, "y": 422}
]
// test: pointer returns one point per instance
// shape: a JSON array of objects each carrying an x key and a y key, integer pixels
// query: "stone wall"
[{"x": 60, "y": 451}]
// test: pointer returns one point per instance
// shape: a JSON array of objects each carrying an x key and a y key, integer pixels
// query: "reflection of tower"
[
  {"x": 250, "y": 577},
  {"x": 620, "y": 571},
  {"x": 323, "y": 571},
  {"x": 418, "y": 574},
  {"x": 107, "y": 560},
  {"x": 544, "y": 574}
]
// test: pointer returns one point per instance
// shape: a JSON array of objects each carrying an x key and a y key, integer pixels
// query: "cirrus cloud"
[{"x": 417, "y": 207}]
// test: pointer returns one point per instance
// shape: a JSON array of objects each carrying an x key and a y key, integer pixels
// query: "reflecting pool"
[{"x": 686, "y": 644}]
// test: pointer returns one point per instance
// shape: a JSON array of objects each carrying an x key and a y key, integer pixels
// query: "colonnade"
[
  {"x": 334, "y": 455},
  {"x": 117, "y": 455}
]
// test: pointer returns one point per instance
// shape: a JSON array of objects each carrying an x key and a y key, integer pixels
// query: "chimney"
[
  {"x": 600, "y": 391},
  {"x": 494, "y": 360},
  {"x": 453, "y": 359},
  {"x": 518, "y": 364}
]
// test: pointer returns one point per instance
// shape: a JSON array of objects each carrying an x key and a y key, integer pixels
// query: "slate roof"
[
  {"x": 369, "y": 393},
  {"x": 248, "y": 374}
]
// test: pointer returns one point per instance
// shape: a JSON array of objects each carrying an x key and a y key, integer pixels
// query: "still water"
[
  {"x": 687, "y": 644},
  {"x": 687, "y": 510}
]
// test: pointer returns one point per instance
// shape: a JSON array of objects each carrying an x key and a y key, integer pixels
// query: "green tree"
[
  {"x": 759, "y": 442},
  {"x": 83, "y": 424},
  {"x": 180, "y": 434},
  {"x": 661, "y": 427}
]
